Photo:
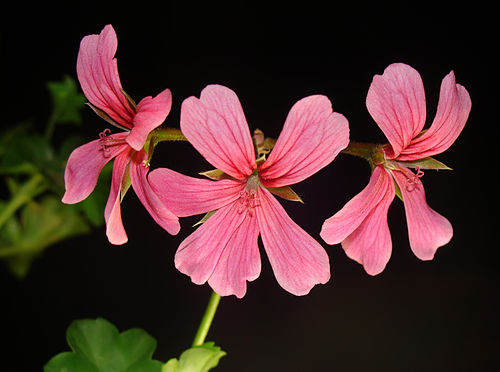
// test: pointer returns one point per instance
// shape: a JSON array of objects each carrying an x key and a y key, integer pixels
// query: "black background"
[{"x": 415, "y": 316}]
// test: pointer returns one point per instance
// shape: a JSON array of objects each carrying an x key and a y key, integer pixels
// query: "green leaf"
[
  {"x": 9, "y": 134},
  {"x": 97, "y": 346},
  {"x": 197, "y": 359},
  {"x": 26, "y": 154},
  {"x": 67, "y": 101}
]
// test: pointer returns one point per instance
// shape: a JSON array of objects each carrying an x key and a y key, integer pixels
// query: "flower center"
[{"x": 248, "y": 197}]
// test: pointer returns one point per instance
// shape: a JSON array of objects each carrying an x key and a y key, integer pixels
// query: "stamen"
[
  {"x": 106, "y": 142},
  {"x": 145, "y": 164},
  {"x": 102, "y": 142},
  {"x": 413, "y": 181},
  {"x": 248, "y": 200}
]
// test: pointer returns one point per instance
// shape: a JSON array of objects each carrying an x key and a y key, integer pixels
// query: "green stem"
[
  {"x": 360, "y": 149},
  {"x": 168, "y": 134},
  {"x": 161, "y": 135},
  {"x": 33, "y": 187},
  {"x": 206, "y": 321}
]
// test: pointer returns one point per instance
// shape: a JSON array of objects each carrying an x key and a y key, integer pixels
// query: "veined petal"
[
  {"x": 396, "y": 101},
  {"x": 343, "y": 223},
  {"x": 239, "y": 261},
  {"x": 452, "y": 113},
  {"x": 299, "y": 262},
  {"x": 370, "y": 243},
  {"x": 311, "y": 138},
  {"x": 199, "y": 254},
  {"x": 188, "y": 196},
  {"x": 427, "y": 229},
  {"x": 156, "y": 208},
  {"x": 112, "y": 212},
  {"x": 216, "y": 126},
  {"x": 150, "y": 113},
  {"x": 86, "y": 162},
  {"x": 97, "y": 72}
]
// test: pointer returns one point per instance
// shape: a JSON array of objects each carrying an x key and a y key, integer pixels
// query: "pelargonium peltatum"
[
  {"x": 396, "y": 101},
  {"x": 98, "y": 75},
  {"x": 224, "y": 251}
]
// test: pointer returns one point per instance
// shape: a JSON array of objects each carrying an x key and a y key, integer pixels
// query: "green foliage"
[
  {"x": 32, "y": 216},
  {"x": 97, "y": 346},
  {"x": 197, "y": 359}
]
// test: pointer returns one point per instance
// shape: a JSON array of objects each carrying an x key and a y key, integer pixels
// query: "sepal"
[
  {"x": 130, "y": 101},
  {"x": 204, "y": 219},
  {"x": 424, "y": 163},
  {"x": 285, "y": 192},
  {"x": 216, "y": 175},
  {"x": 106, "y": 117}
]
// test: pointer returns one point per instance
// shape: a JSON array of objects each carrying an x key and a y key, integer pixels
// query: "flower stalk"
[{"x": 207, "y": 319}]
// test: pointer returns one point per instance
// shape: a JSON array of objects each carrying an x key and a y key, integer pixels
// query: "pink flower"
[
  {"x": 396, "y": 101},
  {"x": 98, "y": 75},
  {"x": 224, "y": 249}
]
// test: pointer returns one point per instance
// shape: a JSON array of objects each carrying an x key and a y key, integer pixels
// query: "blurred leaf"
[
  {"x": 97, "y": 346},
  {"x": 197, "y": 359},
  {"x": 29, "y": 152},
  {"x": 67, "y": 101},
  {"x": 39, "y": 225},
  {"x": 6, "y": 136}
]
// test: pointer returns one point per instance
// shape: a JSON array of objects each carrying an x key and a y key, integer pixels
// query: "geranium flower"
[
  {"x": 223, "y": 251},
  {"x": 396, "y": 101},
  {"x": 98, "y": 75}
]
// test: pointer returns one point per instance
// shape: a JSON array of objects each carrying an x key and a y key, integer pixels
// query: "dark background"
[{"x": 440, "y": 315}]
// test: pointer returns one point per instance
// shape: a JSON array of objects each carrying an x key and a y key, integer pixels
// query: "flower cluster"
[{"x": 238, "y": 195}]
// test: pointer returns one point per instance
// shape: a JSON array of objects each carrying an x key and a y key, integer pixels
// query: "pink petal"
[
  {"x": 86, "y": 162},
  {"x": 112, "y": 212},
  {"x": 188, "y": 196},
  {"x": 98, "y": 75},
  {"x": 370, "y": 244},
  {"x": 151, "y": 113},
  {"x": 396, "y": 101},
  {"x": 239, "y": 261},
  {"x": 343, "y": 223},
  {"x": 216, "y": 126},
  {"x": 156, "y": 208},
  {"x": 452, "y": 113},
  {"x": 427, "y": 229},
  {"x": 229, "y": 239},
  {"x": 299, "y": 262},
  {"x": 311, "y": 138}
]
